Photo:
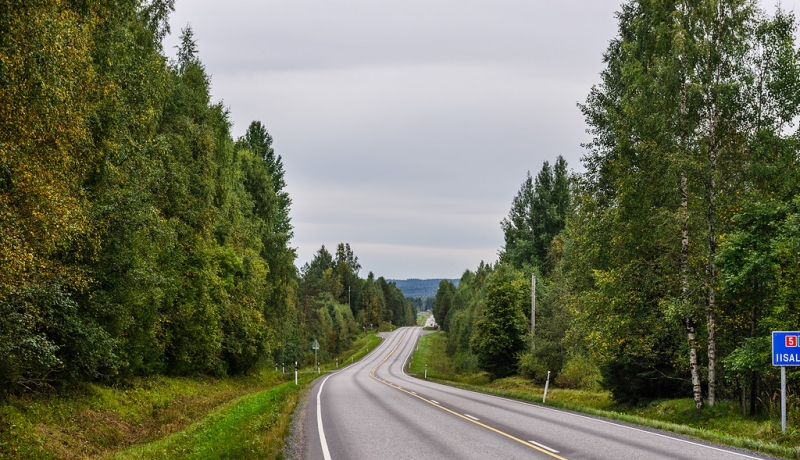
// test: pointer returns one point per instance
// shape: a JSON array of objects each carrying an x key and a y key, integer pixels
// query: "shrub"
[
  {"x": 579, "y": 373},
  {"x": 466, "y": 363},
  {"x": 530, "y": 366}
]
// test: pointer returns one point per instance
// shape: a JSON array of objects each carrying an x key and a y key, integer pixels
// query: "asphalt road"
[{"x": 373, "y": 410}]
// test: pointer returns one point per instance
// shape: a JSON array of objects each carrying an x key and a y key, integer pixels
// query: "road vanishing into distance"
[{"x": 373, "y": 410}]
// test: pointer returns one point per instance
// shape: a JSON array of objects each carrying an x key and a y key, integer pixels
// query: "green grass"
[
  {"x": 422, "y": 317},
  {"x": 252, "y": 426},
  {"x": 192, "y": 417},
  {"x": 93, "y": 420},
  {"x": 431, "y": 351},
  {"x": 722, "y": 424}
]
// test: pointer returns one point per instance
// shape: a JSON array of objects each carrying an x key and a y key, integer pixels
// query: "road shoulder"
[{"x": 294, "y": 448}]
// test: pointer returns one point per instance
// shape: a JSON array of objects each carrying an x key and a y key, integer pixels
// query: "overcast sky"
[{"x": 405, "y": 127}]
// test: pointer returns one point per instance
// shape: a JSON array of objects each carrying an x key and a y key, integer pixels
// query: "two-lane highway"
[{"x": 373, "y": 410}]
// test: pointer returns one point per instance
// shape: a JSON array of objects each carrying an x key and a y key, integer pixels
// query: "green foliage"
[
  {"x": 324, "y": 314},
  {"x": 371, "y": 303},
  {"x": 538, "y": 213},
  {"x": 529, "y": 366},
  {"x": 159, "y": 244},
  {"x": 579, "y": 373},
  {"x": 443, "y": 302},
  {"x": 499, "y": 334},
  {"x": 259, "y": 142},
  {"x": 399, "y": 310},
  {"x": 688, "y": 178}
]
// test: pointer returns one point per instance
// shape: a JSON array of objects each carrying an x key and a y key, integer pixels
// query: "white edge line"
[
  {"x": 325, "y": 452},
  {"x": 544, "y": 447},
  {"x": 408, "y": 356},
  {"x": 473, "y": 418},
  {"x": 597, "y": 418},
  {"x": 323, "y": 442}
]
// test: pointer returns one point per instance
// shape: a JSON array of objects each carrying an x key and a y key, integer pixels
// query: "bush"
[
  {"x": 466, "y": 363},
  {"x": 46, "y": 337},
  {"x": 636, "y": 379},
  {"x": 530, "y": 366},
  {"x": 579, "y": 373}
]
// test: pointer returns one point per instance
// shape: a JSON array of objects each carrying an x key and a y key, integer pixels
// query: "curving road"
[{"x": 373, "y": 410}]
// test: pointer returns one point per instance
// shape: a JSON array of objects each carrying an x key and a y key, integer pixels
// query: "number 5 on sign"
[{"x": 791, "y": 340}]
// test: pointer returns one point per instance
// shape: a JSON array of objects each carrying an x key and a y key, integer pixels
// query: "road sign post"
[
  {"x": 316, "y": 347},
  {"x": 783, "y": 399},
  {"x": 785, "y": 352}
]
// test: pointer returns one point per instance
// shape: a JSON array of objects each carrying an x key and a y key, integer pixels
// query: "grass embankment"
[
  {"x": 161, "y": 417},
  {"x": 723, "y": 424}
]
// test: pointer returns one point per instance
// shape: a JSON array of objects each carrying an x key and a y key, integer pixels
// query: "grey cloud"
[{"x": 406, "y": 127}]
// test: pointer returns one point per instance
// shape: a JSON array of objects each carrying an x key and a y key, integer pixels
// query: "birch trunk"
[
  {"x": 711, "y": 274},
  {"x": 690, "y": 327}
]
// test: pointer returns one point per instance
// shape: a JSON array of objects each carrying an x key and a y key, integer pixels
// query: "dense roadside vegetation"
[{"x": 661, "y": 269}]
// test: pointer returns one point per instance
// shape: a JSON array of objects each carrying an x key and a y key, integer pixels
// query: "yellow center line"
[{"x": 509, "y": 436}]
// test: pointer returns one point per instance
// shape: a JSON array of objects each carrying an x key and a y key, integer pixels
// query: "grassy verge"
[
  {"x": 252, "y": 426},
  {"x": 95, "y": 420},
  {"x": 723, "y": 424},
  {"x": 422, "y": 317},
  {"x": 162, "y": 417}
]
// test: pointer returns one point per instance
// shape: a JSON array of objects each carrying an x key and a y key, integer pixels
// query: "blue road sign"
[{"x": 785, "y": 348}]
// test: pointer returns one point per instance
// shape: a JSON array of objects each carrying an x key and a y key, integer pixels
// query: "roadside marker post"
[
  {"x": 426, "y": 371},
  {"x": 785, "y": 352},
  {"x": 546, "y": 384},
  {"x": 295, "y": 372},
  {"x": 533, "y": 310}
]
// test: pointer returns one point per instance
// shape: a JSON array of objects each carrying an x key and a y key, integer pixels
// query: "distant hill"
[{"x": 419, "y": 288}]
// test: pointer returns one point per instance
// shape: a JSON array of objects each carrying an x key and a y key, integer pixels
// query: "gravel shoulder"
[{"x": 295, "y": 446}]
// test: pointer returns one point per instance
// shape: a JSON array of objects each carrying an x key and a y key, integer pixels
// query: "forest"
[
  {"x": 138, "y": 236},
  {"x": 662, "y": 268}
]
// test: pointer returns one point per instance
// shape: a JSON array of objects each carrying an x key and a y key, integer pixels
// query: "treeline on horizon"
[
  {"x": 419, "y": 289},
  {"x": 138, "y": 237},
  {"x": 662, "y": 269}
]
